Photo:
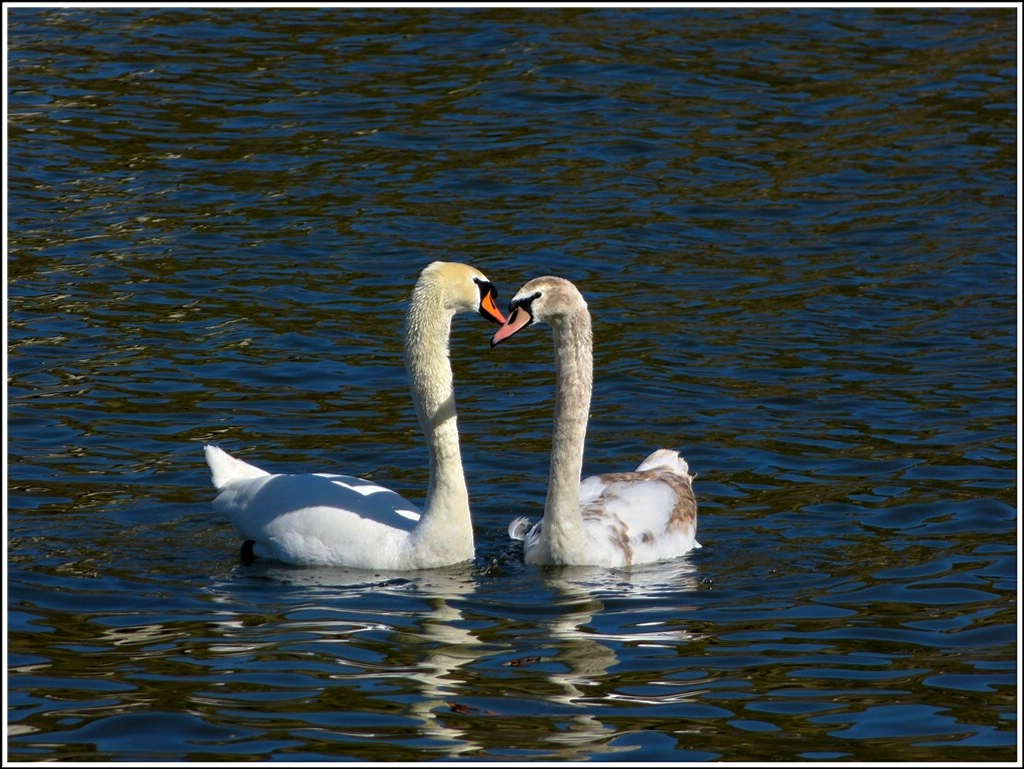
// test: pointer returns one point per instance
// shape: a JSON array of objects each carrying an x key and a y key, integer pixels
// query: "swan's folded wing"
[
  {"x": 650, "y": 515},
  {"x": 304, "y": 514}
]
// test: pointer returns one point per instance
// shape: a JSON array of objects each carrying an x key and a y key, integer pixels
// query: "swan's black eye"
[
  {"x": 486, "y": 288},
  {"x": 525, "y": 302}
]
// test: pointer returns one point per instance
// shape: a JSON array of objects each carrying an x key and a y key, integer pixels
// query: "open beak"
[
  {"x": 519, "y": 319},
  {"x": 488, "y": 308}
]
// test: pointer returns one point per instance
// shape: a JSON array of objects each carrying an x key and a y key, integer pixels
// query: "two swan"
[{"x": 614, "y": 520}]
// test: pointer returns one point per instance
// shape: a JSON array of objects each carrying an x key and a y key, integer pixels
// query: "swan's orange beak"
[
  {"x": 519, "y": 319},
  {"x": 488, "y": 308}
]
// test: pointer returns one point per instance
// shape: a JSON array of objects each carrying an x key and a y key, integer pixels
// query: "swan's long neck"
[
  {"x": 446, "y": 507},
  {"x": 574, "y": 369}
]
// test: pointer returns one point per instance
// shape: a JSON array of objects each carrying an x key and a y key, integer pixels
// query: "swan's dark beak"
[
  {"x": 519, "y": 318},
  {"x": 488, "y": 307}
]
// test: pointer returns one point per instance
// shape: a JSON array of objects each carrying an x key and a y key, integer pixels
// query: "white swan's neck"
[
  {"x": 446, "y": 507},
  {"x": 574, "y": 368}
]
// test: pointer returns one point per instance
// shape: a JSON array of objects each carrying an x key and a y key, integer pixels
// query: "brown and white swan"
[{"x": 614, "y": 519}]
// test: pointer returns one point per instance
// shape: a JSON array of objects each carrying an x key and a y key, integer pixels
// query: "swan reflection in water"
[
  {"x": 600, "y": 610},
  {"x": 392, "y": 637},
  {"x": 472, "y": 679}
]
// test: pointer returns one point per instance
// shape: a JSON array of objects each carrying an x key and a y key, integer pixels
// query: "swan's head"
[
  {"x": 462, "y": 288},
  {"x": 542, "y": 300}
]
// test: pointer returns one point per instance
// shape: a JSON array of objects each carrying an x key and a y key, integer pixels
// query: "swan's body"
[
  {"x": 615, "y": 519},
  {"x": 338, "y": 520}
]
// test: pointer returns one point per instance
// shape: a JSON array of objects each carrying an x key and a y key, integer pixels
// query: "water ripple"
[{"x": 796, "y": 234}]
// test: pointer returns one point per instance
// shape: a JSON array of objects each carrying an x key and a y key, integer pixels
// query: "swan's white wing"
[
  {"x": 317, "y": 518},
  {"x": 646, "y": 515},
  {"x": 635, "y": 519},
  {"x": 639, "y": 520},
  {"x": 643, "y": 516}
]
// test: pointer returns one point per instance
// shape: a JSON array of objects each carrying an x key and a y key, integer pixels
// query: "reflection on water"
[
  {"x": 424, "y": 654},
  {"x": 432, "y": 641},
  {"x": 796, "y": 232},
  {"x": 587, "y": 654}
]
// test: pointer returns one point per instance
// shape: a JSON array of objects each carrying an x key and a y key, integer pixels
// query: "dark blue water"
[{"x": 796, "y": 230}]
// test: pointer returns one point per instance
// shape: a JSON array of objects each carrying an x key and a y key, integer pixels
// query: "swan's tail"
[
  {"x": 668, "y": 459},
  {"x": 226, "y": 468},
  {"x": 517, "y": 528}
]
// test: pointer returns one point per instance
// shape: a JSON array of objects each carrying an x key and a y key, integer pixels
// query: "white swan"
[
  {"x": 615, "y": 519},
  {"x": 336, "y": 520}
]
